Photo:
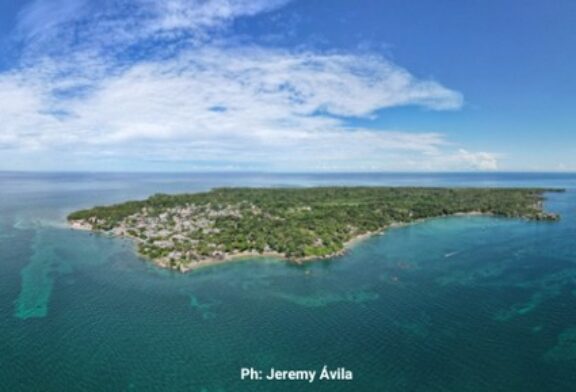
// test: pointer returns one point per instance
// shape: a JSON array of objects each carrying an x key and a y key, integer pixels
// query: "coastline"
[
  {"x": 77, "y": 225},
  {"x": 351, "y": 243},
  {"x": 209, "y": 262},
  {"x": 212, "y": 261},
  {"x": 242, "y": 256},
  {"x": 229, "y": 258}
]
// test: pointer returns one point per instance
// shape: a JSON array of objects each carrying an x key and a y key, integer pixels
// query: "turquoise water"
[{"x": 455, "y": 304}]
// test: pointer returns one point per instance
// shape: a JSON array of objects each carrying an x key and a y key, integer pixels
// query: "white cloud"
[
  {"x": 56, "y": 26},
  {"x": 477, "y": 160},
  {"x": 213, "y": 104},
  {"x": 44, "y": 17},
  {"x": 460, "y": 160}
]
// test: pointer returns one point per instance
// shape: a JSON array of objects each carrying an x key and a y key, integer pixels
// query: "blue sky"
[{"x": 280, "y": 85}]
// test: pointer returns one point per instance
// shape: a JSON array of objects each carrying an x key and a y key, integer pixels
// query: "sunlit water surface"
[{"x": 453, "y": 304}]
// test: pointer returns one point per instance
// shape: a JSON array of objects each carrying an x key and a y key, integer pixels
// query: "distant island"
[{"x": 186, "y": 231}]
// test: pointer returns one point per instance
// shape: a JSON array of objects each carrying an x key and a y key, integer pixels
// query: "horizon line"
[{"x": 487, "y": 172}]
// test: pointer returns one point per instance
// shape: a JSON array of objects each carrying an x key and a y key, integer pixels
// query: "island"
[{"x": 186, "y": 231}]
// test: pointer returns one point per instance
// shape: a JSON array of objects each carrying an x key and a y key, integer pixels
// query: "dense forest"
[{"x": 296, "y": 222}]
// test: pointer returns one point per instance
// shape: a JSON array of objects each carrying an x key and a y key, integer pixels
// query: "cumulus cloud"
[
  {"x": 209, "y": 103},
  {"x": 477, "y": 160},
  {"x": 459, "y": 160}
]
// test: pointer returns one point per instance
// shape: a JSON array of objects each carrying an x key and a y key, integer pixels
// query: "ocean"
[{"x": 462, "y": 304}]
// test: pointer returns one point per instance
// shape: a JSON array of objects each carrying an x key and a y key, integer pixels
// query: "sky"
[{"x": 287, "y": 85}]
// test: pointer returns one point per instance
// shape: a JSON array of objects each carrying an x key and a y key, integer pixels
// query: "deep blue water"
[{"x": 453, "y": 304}]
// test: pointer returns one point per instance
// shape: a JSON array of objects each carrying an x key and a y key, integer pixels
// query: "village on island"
[{"x": 187, "y": 231}]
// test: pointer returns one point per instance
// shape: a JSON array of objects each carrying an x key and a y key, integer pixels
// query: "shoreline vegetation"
[{"x": 188, "y": 231}]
